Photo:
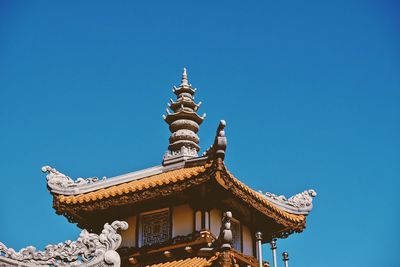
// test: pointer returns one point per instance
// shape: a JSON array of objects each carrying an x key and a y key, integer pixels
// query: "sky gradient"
[{"x": 310, "y": 92}]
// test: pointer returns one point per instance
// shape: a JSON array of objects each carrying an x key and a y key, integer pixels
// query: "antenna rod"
[
  {"x": 273, "y": 248},
  {"x": 285, "y": 258},
  {"x": 259, "y": 248}
]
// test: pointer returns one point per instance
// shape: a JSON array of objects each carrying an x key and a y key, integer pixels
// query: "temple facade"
[{"x": 188, "y": 211}]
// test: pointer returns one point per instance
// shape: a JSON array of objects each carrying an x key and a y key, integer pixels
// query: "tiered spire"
[{"x": 183, "y": 123}]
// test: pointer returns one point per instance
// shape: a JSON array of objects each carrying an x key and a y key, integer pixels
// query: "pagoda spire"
[{"x": 184, "y": 123}]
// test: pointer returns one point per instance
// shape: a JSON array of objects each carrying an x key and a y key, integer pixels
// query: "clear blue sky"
[{"x": 310, "y": 91}]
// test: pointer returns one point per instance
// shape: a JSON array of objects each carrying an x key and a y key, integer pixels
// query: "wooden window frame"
[{"x": 140, "y": 224}]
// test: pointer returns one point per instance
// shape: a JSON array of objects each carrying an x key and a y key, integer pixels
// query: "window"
[
  {"x": 236, "y": 234},
  {"x": 154, "y": 227}
]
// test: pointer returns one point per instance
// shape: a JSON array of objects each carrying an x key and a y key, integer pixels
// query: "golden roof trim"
[
  {"x": 145, "y": 183},
  {"x": 294, "y": 218}
]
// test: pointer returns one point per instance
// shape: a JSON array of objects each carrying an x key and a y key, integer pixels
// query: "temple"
[{"x": 188, "y": 211}]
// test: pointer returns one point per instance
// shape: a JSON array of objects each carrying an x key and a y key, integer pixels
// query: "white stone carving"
[
  {"x": 89, "y": 250},
  {"x": 57, "y": 180},
  {"x": 301, "y": 202},
  {"x": 182, "y": 152}
]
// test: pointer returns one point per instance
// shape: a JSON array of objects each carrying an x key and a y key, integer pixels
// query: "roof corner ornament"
[
  {"x": 218, "y": 149},
  {"x": 302, "y": 202},
  {"x": 184, "y": 123},
  {"x": 59, "y": 181},
  {"x": 303, "y": 199},
  {"x": 88, "y": 250}
]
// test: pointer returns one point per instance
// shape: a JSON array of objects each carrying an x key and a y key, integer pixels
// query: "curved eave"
[
  {"x": 292, "y": 221},
  {"x": 167, "y": 183},
  {"x": 186, "y": 103},
  {"x": 280, "y": 206},
  {"x": 290, "y": 208},
  {"x": 184, "y": 114},
  {"x": 184, "y": 89}
]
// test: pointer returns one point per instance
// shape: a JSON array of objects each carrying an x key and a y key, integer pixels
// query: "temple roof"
[
  {"x": 146, "y": 183},
  {"x": 182, "y": 169},
  {"x": 291, "y": 211},
  {"x": 92, "y": 194}
]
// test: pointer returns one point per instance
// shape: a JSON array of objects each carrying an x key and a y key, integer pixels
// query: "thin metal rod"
[
  {"x": 285, "y": 258},
  {"x": 259, "y": 249},
  {"x": 273, "y": 249}
]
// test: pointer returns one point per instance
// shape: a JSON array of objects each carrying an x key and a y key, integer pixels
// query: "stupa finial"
[
  {"x": 184, "y": 123},
  {"x": 184, "y": 81}
]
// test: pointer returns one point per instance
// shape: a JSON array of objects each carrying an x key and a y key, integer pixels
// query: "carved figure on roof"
[
  {"x": 302, "y": 200},
  {"x": 58, "y": 180}
]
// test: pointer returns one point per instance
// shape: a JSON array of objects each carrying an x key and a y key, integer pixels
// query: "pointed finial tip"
[
  {"x": 184, "y": 77},
  {"x": 184, "y": 74}
]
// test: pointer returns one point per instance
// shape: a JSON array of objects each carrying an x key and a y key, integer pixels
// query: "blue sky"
[{"x": 310, "y": 91}]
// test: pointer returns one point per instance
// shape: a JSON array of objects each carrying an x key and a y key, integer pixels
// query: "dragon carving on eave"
[
  {"x": 58, "y": 181},
  {"x": 301, "y": 201}
]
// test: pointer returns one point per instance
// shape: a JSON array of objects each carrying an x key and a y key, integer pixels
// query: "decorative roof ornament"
[
  {"x": 59, "y": 181},
  {"x": 301, "y": 202},
  {"x": 89, "y": 250},
  {"x": 218, "y": 148},
  {"x": 225, "y": 254},
  {"x": 184, "y": 123},
  {"x": 225, "y": 235}
]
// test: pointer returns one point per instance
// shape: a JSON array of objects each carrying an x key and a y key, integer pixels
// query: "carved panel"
[{"x": 155, "y": 227}]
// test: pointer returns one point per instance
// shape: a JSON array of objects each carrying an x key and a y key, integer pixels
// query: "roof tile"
[
  {"x": 135, "y": 185},
  {"x": 192, "y": 262}
]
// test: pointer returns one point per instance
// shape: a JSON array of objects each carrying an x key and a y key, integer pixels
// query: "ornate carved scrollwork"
[
  {"x": 88, "y": 250},
  {"x": 226, "y": 259}
]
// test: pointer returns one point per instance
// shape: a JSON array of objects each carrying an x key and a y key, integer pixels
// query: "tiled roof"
[
  {"x": 192, "y": 262},
  {"x": 136, "y": 185},
  {"x": 295, "y": 218},
  {"x": 89, "y": 200}
]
